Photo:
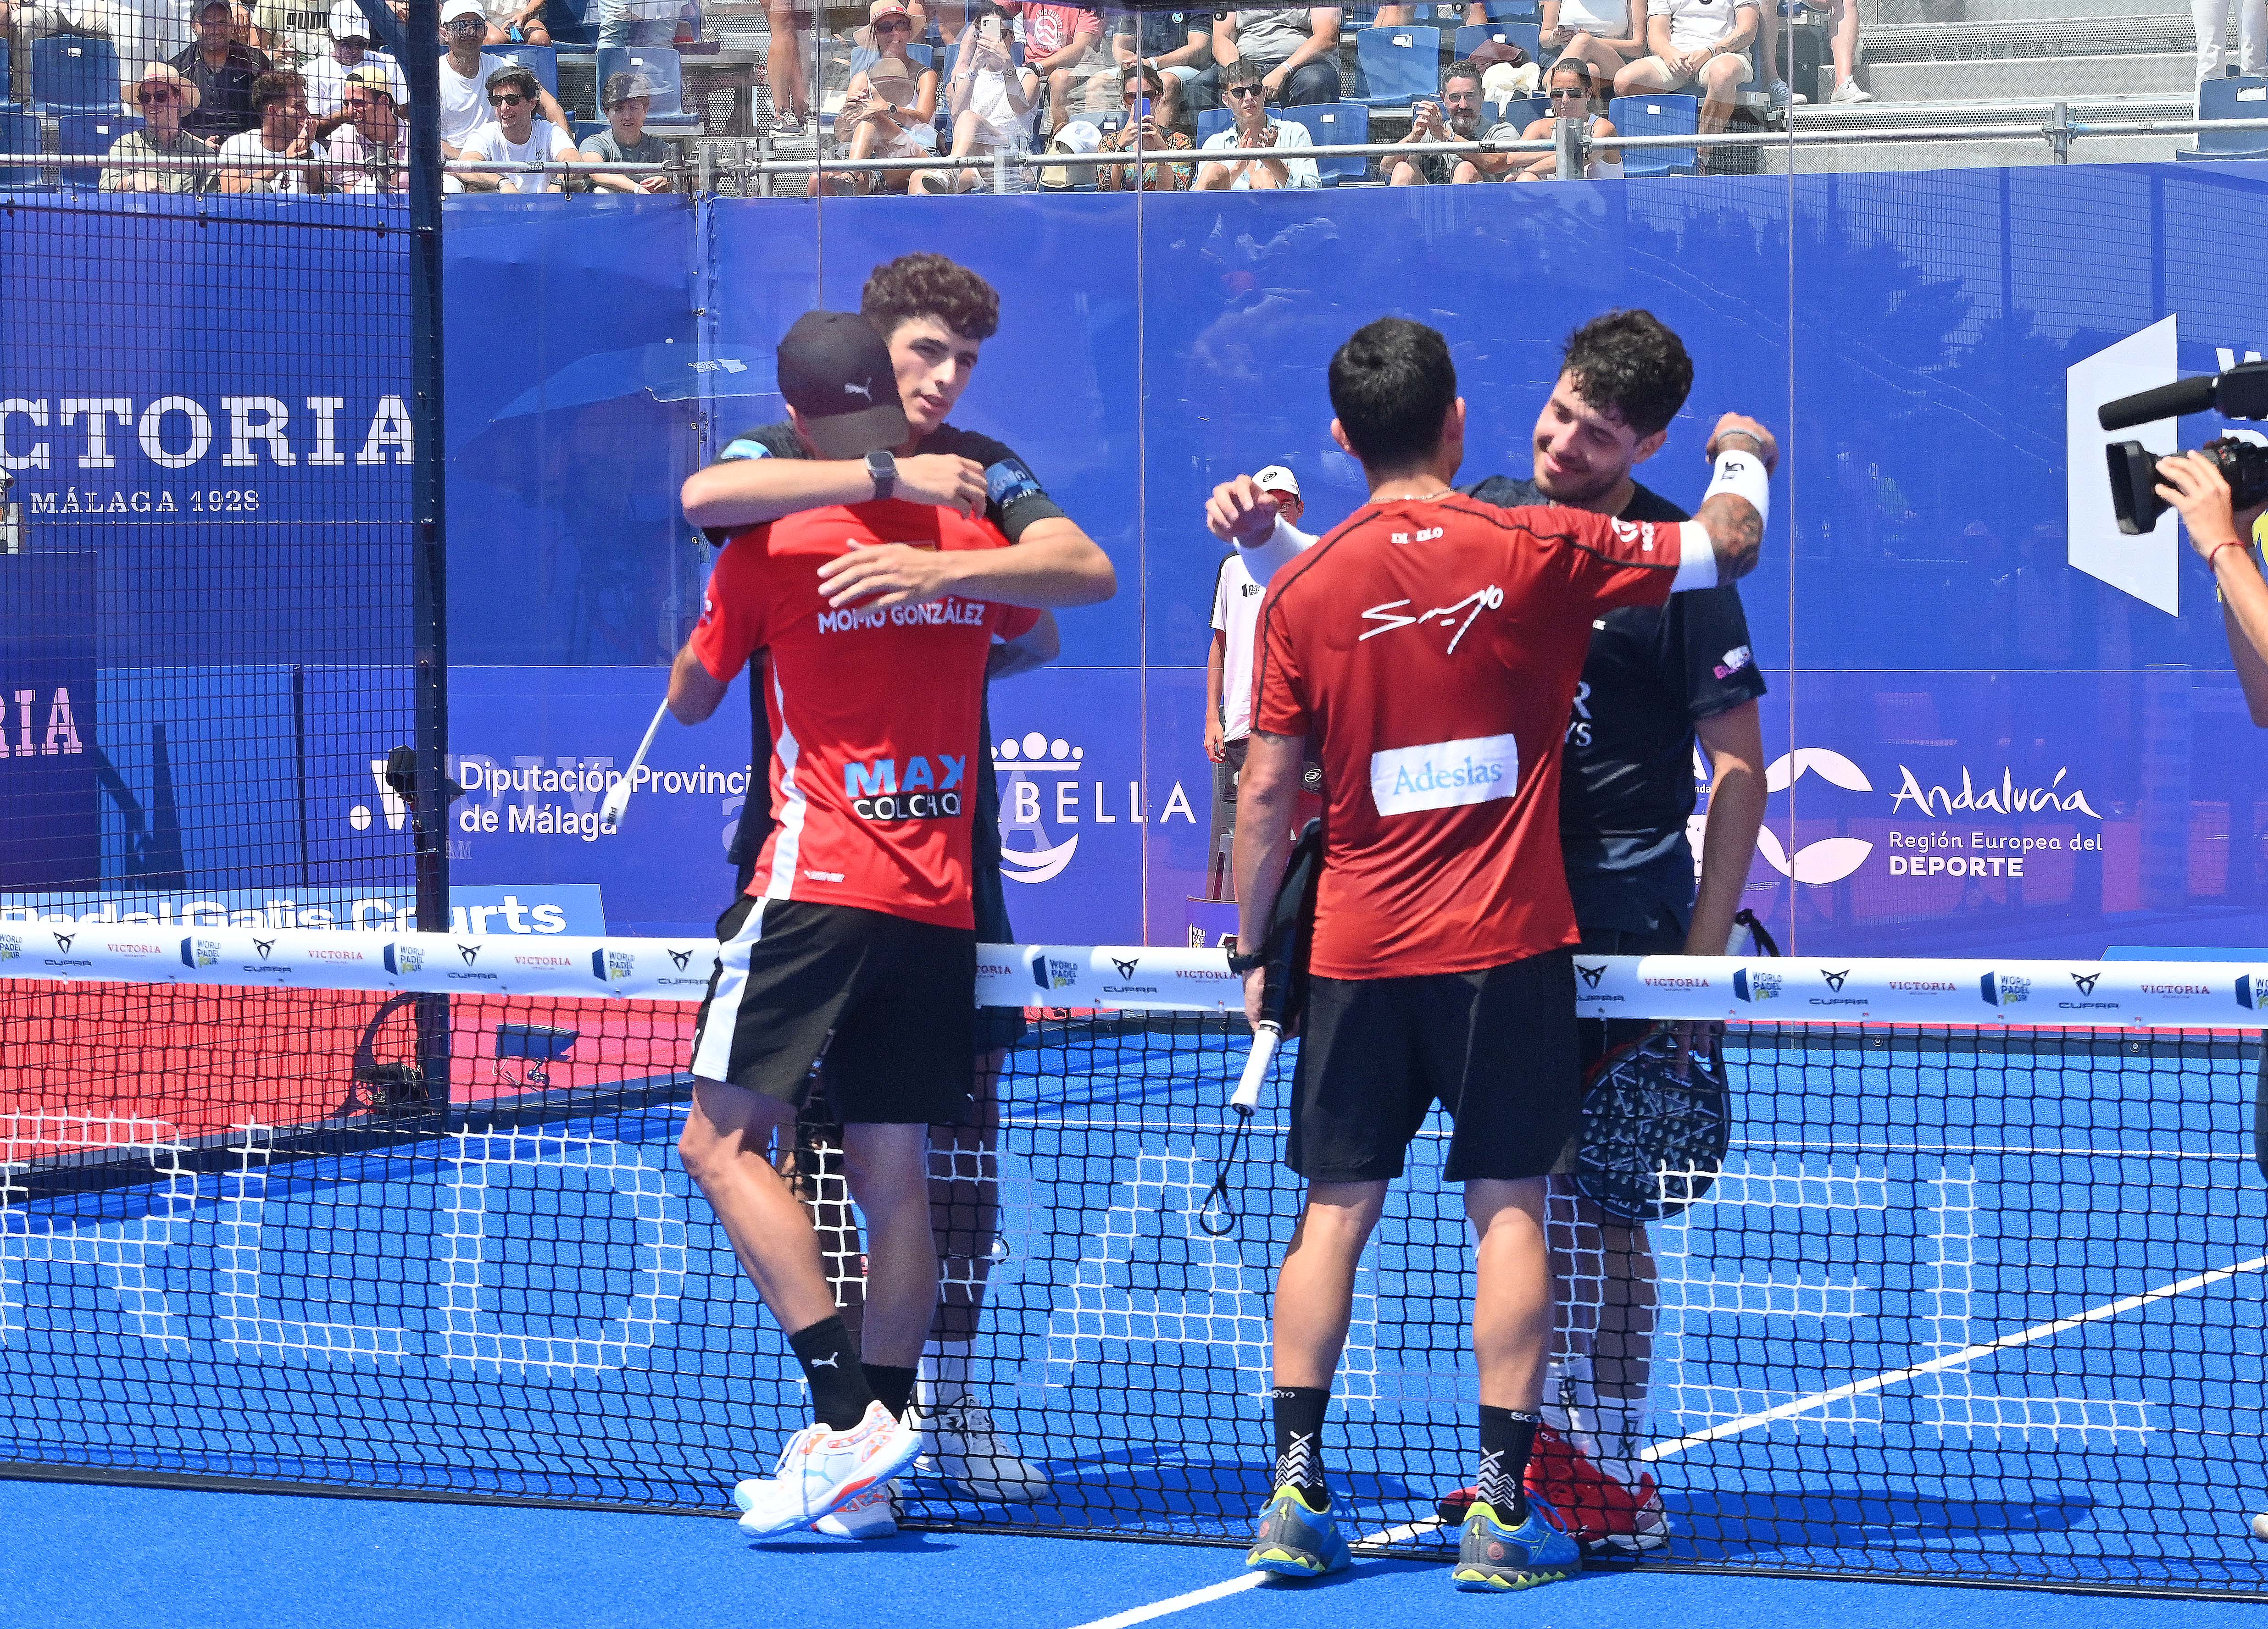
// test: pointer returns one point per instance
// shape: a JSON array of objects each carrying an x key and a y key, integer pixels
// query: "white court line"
[
  {"x": 1953, "y": 1359},
  {"x": 1242, "y": 1581}
]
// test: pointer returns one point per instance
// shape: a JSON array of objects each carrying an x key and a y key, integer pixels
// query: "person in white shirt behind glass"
[
  {"x": 1267, "y": 142},
  {"x": 518, "y": 137},
  {"x": 1697, "y": 45}
]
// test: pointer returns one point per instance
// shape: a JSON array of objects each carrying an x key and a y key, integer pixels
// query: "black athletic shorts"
[
  {"x": 1497, "y": 1048},
  {"x": 889, "y": 1005}
]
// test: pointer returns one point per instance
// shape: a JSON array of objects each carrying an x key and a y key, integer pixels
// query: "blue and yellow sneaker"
[
  {"x": 1493, "y": 1557},
  {"x": 1295, "y": 1539}
]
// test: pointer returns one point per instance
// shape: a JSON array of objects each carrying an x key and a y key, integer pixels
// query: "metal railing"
[{"x": 730, "y": 159}]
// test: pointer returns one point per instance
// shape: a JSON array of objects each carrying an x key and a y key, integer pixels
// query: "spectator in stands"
[
  {"x": 784, "y": 71},
  {"x": 370, "y": 154},
  {"x": 1843, "y": 43},
  {"x": 163, "y": 96},
  {"x": 1296, "y": 52},
  {"x": 632, "y": 22},
  {"x": 1574, "y": 92},
  {"x": 1178, "y": 45},
  {"x": 521, "y": 22},
  {"x": 516, "y": 135},
  {"x": 628, "y": 99},
  {"x": 888, "y": 107},
  {"x": 1151, "y": 131},
  {"x": 1253, "y": 129},
  {"x": 991, "y": 107},
  {"x": 1064, "y": 51},
  {"x": 245, "y": 29},
  {"x": 2211, "y": 19},
  {"x": 263, "y": 160},
  {"x": 1401, "y": 16},
  {"x": 1698, "y": 43},
  {"x": 222, "y": 69},
  {"x": 350, "y": 46},
  {"x": 464, "y": 75},
  {"x": 1609, "y": 34},
  {"x": 1456, "y": 117}
]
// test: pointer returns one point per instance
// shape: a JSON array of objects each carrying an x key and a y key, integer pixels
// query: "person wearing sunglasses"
[
  {"x": 370, "y": 153},
  {"x": 1251, "y": 130},
  {"x": 1573, "y": 88},
  {"x": 518, "y": 137},
  {"x": 163, "y": 97},
  {"x": 888, "y": 106},
  {"x": 464, "y": 75},
  {"x": 1148, "y": 125},
  {"x": 991, "y": 105},
  {"x": 1456, "y": 117}
]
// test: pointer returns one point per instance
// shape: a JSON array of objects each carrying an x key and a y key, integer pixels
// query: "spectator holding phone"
[
  {"x": 1609, "y": 34},
  {"x": 1702, "y": 44},
  {"x": 990, "y": 105},
  {"x": 1456, "y": 117},
  {"x": 1147, "y": 127}
]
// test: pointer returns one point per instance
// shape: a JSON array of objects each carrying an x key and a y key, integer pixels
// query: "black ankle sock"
[
  {"x": 894, "y": 1386},
  {"x": 1507, "y": 1437},
  {"x": 1299, "y": 1441},
  {"x": 839, "y": 1392}
]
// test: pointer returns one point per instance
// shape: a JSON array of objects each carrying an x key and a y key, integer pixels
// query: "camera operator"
[{"x": 2223, "y": 539}]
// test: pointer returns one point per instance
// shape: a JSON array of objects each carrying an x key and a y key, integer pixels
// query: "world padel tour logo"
[
  {"x": 2005, "y": 989},
  {"x": 405, "y": 958},
  {"x": 612, "y": 966},
  {"x": 2252, "y": 988},
  {"x": 1756, "y": 987},
  {"x": 205, "y": 952},
  {"x": 11, "y": 947}
]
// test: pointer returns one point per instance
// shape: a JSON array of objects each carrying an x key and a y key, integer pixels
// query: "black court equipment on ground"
[{"x": 1970, "y": 1302}]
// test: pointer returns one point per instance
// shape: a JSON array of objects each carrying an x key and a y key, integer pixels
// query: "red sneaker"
[{"x": 1602, "y": 1512}]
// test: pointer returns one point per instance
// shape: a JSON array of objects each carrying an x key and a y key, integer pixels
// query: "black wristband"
[{"x": 1243, "y": 965}]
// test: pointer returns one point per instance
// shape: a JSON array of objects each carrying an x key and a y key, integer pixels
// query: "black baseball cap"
[{"x": 836, "y": 373}]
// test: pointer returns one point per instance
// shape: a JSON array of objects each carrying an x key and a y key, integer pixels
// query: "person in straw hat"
[{"x": 163, "y": 96}]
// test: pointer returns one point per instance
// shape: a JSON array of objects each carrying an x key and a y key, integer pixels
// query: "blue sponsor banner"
[{"x": 48, "y": 717}]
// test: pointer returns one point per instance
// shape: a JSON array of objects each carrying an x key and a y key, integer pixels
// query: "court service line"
[
  {"x": 1240, "y": 1583},
  {"x": 1953, "y": 1360}
]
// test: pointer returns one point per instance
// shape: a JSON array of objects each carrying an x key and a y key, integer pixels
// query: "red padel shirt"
[
  {"x": 874, "y": 713},
  {"x": 1429, "y": 652}
]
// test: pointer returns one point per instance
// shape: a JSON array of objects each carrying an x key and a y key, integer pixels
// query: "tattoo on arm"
[{"x": 1737, "y": 533}]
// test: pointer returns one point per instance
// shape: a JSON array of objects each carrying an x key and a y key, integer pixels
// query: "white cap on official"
[{"x": 1276, "y": 478}]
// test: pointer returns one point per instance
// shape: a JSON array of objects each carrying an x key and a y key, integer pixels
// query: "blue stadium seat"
[
  {"x": 2230, "y": 98},
  {"x": 1398, "y": 65},
  {"x": 1472, "y": 34},
  {"x": 71, "y": 74},
  {"x": 583, "y": 130},
  {"x": 1515, "y": 10},
  {"x": 923, "y": 55},
  {"x": 1656, "y": 115},
  {"x": 1211, "y": 122},
  {"x": 540, "y": 60},
  {"x": 1519, "y": 112},
  {"x": 659, "y": 64},
  {"x": 89, "y": 133},
  {"x": 1527, "y": 36},
  {"x": 6, "y": 66},
  {"x": 572, "y": 22},
  {"x": 1336, "y": 124},
  {"x": 19, "y": 136}
]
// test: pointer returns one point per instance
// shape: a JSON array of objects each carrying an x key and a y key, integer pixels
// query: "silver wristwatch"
[{"x": 883, "y": 466}]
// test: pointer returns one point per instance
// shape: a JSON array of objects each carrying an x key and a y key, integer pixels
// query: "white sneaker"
[
  {"x": 1849, "y": 93},
  {"x": 870, "y": 1515},
  {"x": 819, "y": 1470},
  {"x": 964, "y": 1448}
]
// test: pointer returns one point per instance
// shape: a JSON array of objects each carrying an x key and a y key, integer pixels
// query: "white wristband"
[
  {"x": 1743, "y": 475},
  {"x": 1696, "y": 559}
]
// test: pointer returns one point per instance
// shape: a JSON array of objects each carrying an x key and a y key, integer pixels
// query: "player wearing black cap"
[
  {"x": 854, "y": 940},
  {"x": 935, "y": 316}
]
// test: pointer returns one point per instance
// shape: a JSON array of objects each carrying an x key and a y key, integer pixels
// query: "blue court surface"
[
  {"x": 1955, "y": 1308},
  {"x": 91, "y": 1558}
]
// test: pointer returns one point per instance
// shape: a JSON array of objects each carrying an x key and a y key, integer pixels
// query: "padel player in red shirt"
[
  {"x": 855, "y": 942},
  {"x": 1425, "y": 653}
]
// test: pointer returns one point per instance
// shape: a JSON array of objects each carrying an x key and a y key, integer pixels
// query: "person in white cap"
[
  {"x": 326, "y": 75},
  {"x": 464, "y": 81},
  {"x": 1235, "y": 616}
]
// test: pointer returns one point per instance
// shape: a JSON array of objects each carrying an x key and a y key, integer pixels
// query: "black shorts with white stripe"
[{"x": 888, "y": 1004}]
